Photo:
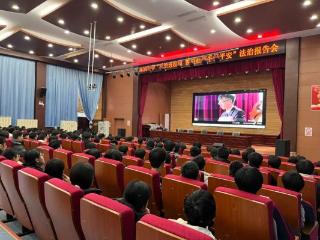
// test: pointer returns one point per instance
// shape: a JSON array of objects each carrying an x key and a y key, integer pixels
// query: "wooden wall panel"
[
  {"x": 181, "y": 100},
  {"x": 309, "y": 74}
]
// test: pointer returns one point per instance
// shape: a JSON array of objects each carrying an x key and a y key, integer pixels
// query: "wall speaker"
[
  {"x": 42, "y": 92},
  {"x": 283, "y": 148}
]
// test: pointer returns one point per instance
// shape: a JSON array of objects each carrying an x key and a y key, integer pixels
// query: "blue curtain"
[
  {"x": 61, "y": 97},
  {"x": 90, "y": 98},
  {"x": 17, "y": 88}
]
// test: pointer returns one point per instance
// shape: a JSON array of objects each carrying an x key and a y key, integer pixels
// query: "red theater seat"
[
  {"x": 130, "y": 160},
  {"x": 63, "y": 204},
  {"x": 103, "y": 147},
  {"x": 174, "y": 190},
  {"x": 104, "y": 218},
  {"x": 286, "y": 166},
  {"x": 47, "y": 152},
  {"x": 66, "y": 144},
  {"x": 151, "y": 227},
  {"x": 164, "y": 170},
  {"x": 34, "y": 144},
  {"x": 150, "y": 177},
  {"x": 65, "y": 156},
  {"x": 82, "y": 157},
  {"x": 217, "y": 167},
  {"x": 105, "y": 141},
  {"x": 219, "y": 180},
  {"x": 234, "y": 157},
  {"x": 26, "y": 143},
  {"x": 31, "y": 185},
  {"x": 77, "y": 146},
  {"x": 109, "y": 177},
  {"x": 183, "y": 159},
  {"x": 9, "y": 179},
  {"x": 5, "y": 203}
]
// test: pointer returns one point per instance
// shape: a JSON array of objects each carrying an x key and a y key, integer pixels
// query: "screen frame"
[{"x": 233, "y": 124}]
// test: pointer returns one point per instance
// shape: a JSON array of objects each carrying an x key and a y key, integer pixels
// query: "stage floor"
[{"x": 264, "y": 149}]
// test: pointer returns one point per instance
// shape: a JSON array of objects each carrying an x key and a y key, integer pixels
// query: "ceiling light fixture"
[
  {"x": 66, "y": 31},
  {"x": 111, "y": 60},
  {"x": 120, "y": 19},
  {"x": 142, "y": 26},
  {"x": 50, "y": 55},
  {"x": 86, "y": 32},
  {"x": 212, "y": 31},
  {"x": 168, "y": 37},
  {"x": 104, "y": 67},
  {"x": 215, "y": 3},
  {"x": 149, "y": 53},
  {"x": 314, "y": 17},
  {"x": 318, "y": 25},
  {"x": 134, "y": 46},
  {"x": 50, "y": 45},
  {"x": 129, "y": 51},
  {"x": 15, "y": 7},
  {"x": 31, "y": 52},
  {"x": 70, "y": 49},
  {"x": 61, "y": 21},
  {"x": 26, "y": 38},
  {"x": 249, "y": 30},
  {"x": 96, "y": 55},
  {"x": 237, "y": 20},
  {"x": 162, "y": 55},
  {"x": 307, "y": 3},
  {"x": 94, "y": 5},
  {"x": 9, "y": 45},
  {"x": 124, "y": 63},
  {"x": 260, "y": 36},
  {"x": 108, "y": 37},
  {"x": 182, "y": 45},
  {"x": 195, "y": 49},
  {"x": 75, "y": 60}
]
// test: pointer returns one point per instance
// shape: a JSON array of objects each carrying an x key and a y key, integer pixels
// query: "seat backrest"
[
  {"x": 82, "y": 157},
  {"x": 157, "y": 228},
  {"x": 266, "y": 176},
  {"x": 286, "y": 166},
  {"x": 47, "y": 152},
  {"x": 31, "y": 185},
  {"x": 183, "y": 159},
  {"x": 130, "y": 160},
  {"x": 150, "y": 177},
  {"x": 186, "y": 151},
  {"x": 66, "y": 144},
  {"x": 34, "y": 144},
  {"x": 2, "y": 158},
  {"x": 219, "y": 180},
  {"x": 282, "y": 199},
  {"x": 233, "y": 157},
  {"x": 273, "y": 172},
  {"x": 174, "y": 190},
  {"x": 26, "y": 143},
  {"x": 216, "y": 167},
  {"x": 65, "y": 156},
  {"x": 5, "y": 203},
  {"x": 77, "y": 146},
  {"x": 252, "y": 216},
  {"x": 103, "y": 147},
  {"x": 9, "y": 179},
  {"x": 105, "y": 141},
  {"x": 109, "y": 177},
  {"x": 104, "y": 218},
  {"x": 63, "y": 204},
  {"x": 164, "y": 170}
]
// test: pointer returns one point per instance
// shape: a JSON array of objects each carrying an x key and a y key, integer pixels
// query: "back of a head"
[
  {"x": 16, "y": 134},
  {"x": 190, "y": 170},
  {"x": 234, "y": 167},
  {"x": 150, "y": 144},
  {"x": 293, "y": 181},
  {"x": 246, "y": 153},
  {"x": 55, "y": 144},
  {"x": 140, "y": 153},
  {"x": 274, "y": 161},
  {"x": 249, "y": 179},
  {"x": 159, "y": 145},
  {"x": 32, "y": 135},
  {"x": 10, "y": 154},
  {"x": 137, "y": 193},
  {"x": 200, "y": 208},
  {"x": 129, "y": 139},
  {"x": 199, "y": 160},
  {"x": 94, "y": 152},
  {"x": 214, "y": 152},
  {"x": 113, "y": 154},
  {"x": 157, "y": 157},
  {"x": 54, "y": 168},
  {"x": 255, "y": 159},
  {"x": 235, "y": 151},
  {"x": 223, "y": 153},
  {"x": 30, "y": 157},
  {"x": 89, "y": 145},
  {"x": 197, "y": 144},
  {"x": 81, "y": 174},
  {"x": 123, "y": 149},
  {"x": 140, "y": 140},
  {"x": 169, "y": 145},
  {"x": 195, "y": 151},
  {"x": 305, "y": 167}
]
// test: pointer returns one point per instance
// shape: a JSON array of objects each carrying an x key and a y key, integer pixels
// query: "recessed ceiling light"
[
  {"x": 26, "y": 37},
  {"x": 237, "y": 20},
  {"x": 306, "y": 3},
  {"x": 104, "y": 67},
  {"x": 260, "y": 36},
  {"x": 249, "y": 30},
  {"x": 86, "y": 32},
  {"x": 142, "y": 26},
  {"x": 94, "y": 5},
  {"x": 129, "y": 51},
  {"x": 75, "y": 60},
  {"x": 70, "y": 49},
  {"x": 50, "y": 55},
  {"x": 168, "y": 37},
  {"x": 9, "y": 45},
  {"x": 212, "y": 31},
  {"x": 195, "y": 49},
  {"x": 149, "y": 52},
  {"x": 120, "y": 19},
  {"x": 134, "y": 46},
  {"x": 96, "y": 55},
  {"x": 318, "y": 25},
  {"x": 182, "y": 45},
  {"x": 50, "y": 45},
  {"x": 162, "y": 55},
  {"x": 15, "y": 7},
  {"x": 215, "y": 3},
  {"x": 31, "y": 52},
  {"x": 108, "y": 37},
  {"x": 66, "y": 31},
  {"x": 124, "y": 63},
  {"x": 61, "y": 21},
  {"x": 314, "y": 17},
  {"x": 111, "y": 60}
]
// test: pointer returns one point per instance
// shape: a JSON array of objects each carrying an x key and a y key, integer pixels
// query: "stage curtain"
[
  {"x": 278, "y": 76},
  {"x": 17, "y": 84},
  {"x": 142, "y": 102}
]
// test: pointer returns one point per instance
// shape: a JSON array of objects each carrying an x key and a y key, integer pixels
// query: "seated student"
[
  {"x": 245, "y": 154},
  {"x": 113, "y": 154},
  {"x": 294, "y": 181},
  {"x": 140, "y": 141},
  {"x": 94, "y": 152},
  {"x": 11, "y": 154},
  {"x": 140, "y": 153},
  {"x": 55, "y": 144},
  {"x": 17, "y": 142},
  {"x": 150, "y": 145},
  {"x": 129, "y": 139},
  {"x": 235, "y": 151},
  {"x": 42, "y": 137},
  {"x": 234, "y": 167},
  {"x": 33, "y": 159},
  {"x": 33, "y": 135},
  {"x": 255, "y": 159},
  {"x": 54, "y": 168},
  {"x": 159, "y": 145},
  {"x": 136, "y": 196},
  {"x": 89, "y": 145},
  {"x": 200, "y": 210},
  {"x": 82, "y": 175},
  {"x": 157, "y": 158},
  {"x": 3, "y": 145},
  {"x": 197, "y": 144},
  {"x": 190, "y": 170},
  {"x": 195, "y": 151},
  {"x": 222, "y": 155},
  {"x": 123, "y": 149},
  {"x": 199, "y": 160},
  {"x": 214, "y": 153},
  {"x": 274, "y": 162},
  {"x": 305, "y": 167},
  {"x": 293, "y": 159}
]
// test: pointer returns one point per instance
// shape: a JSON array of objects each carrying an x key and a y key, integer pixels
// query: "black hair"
[
  {"x": 82, "y": 174},
  {"x": 197, "y": 144},
  {"x": 42, "y": 136},
  {"x": 55, "y": 144},
  {"x": 234, "y": 167},
  {"x": 140, "y": 140},
  {"x": 150, "y": 144},
  {"x": 16, "y": 134},
  {"x": 235, "y": 151},
  {"x": 137, "y": 193},
  {"x": 293, "y": 159},
  {"x": 129, "y": 139},
  {"x": 246, "y": 153},
  {"x": 249, "y": 179},
  {"x": 30, "y": 158},
  {"x": 305, "y": 166},
  {"x": 157, "y": 157},
  {"x": 255, "y": 159},
  {"x": 195, "y": 151},
  {"x": 2, "y": 140},
  {"x": 214, "y": 152},
  {"x": 123, "y": 148},
  {"x": 32, "y": 135},
  {"x": 113, "y": 154},
  {"x": 190, "y": 170},
  {"x": 140, "y": 153},
  {"x": 9, "y": 154},
  {"x": 200, "y": 208},
  {"x": 160, "y": 145},
  {"x": 89, "y": 145},
  {"x": 94, "y": 152},
  {"x": 54, "y": 168},
  {"x": 199, "y": 160},
  {"x": 223, "y": 153},
  {"x": 274, "y": 161},
  {"x": 169, "y": 145},
  {"x": 293, "y": 181}
]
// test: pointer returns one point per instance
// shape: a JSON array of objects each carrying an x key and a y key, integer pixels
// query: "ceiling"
[{"x": 135, "y": 32}]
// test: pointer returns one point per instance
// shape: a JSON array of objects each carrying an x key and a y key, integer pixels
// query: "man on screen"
[{"x": 231, "y": 112}]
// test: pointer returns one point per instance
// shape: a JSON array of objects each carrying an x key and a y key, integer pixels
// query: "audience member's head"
[
  {"x": 137, "y": 193},
  {"x": 274, "y": 162},
  {"x": 159, "y": 145},
  {"x": 246, "y": 153},
  {"x": 54, "y": 168},
  {"x": 140, "y": 153},
  {"x": 200, "y": 208},
  {"x": 81, "y": 175},
  {"x": 223, "y": 153},
  {"x": 305, "y": 167},
  {"x": 11, "y": 154},
  {"x": 140, "y": 140},
  {"x": 293, "y": 181},
  {"x": 157, "y": 157},
  {"x": 94, "y": 152},
  {"x": 234, "y": 167},
  {"x": 129, "y": 139},
  {"x": 150, "y": 144},
  {"x": 33, "y": 135},
  {"x": 89, "y": 145},
  {"x": 293, "y": 159},
  {"x": 169, "y": 145},
  {"x": 214, "y": 152},
  {"x": 235, "y": 151},
  {"x": 17, "y": 135},
  {"x": 124, "y": 149},
  {"x": 3, "y": 144},
  {"x": 197, "y": 144},
  {"x": 55, "y": 144},
  {"x": 199, "y": 160},
  {"x": 31, "y": 158},
  {"x": 249, "y": 179},
  {"x": 113, "y": 154},
  {"x": 190, "y": 170},
  {"x": 255, "y": 159},
  {"x": 195, "y": 151}
]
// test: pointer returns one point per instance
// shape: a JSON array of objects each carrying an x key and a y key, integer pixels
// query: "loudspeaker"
[
  {"x": 121, "y": 132},
  {"x": 283, "y": 148},
  {"x": 42, "y": 92},
  {"x": 218, "y": 145}
]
